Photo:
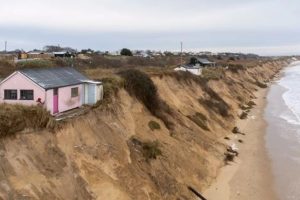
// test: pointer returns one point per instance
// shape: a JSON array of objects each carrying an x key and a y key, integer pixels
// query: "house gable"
[
  {"x": 17, "y": 73},
  {"x": 17, "y": 81}
]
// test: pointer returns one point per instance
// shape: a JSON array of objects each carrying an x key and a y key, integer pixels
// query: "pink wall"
[
  {"x": 20, "y": 82},
  {"x": 65, "y": 101}
]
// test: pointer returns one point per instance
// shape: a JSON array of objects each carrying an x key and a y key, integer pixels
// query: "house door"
[
  {"x": 55, "y": 101},
  {"x": 91, "y": 94}
]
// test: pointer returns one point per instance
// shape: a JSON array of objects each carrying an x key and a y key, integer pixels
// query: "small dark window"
[
  {"x": 26, "y": 95},
  {"x": 74, "y": 92},
  {"x": 10, "y": 94},
  {"x": 55, "y": 92}
]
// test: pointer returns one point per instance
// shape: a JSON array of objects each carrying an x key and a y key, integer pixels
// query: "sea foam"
[{"x": 291, "y": 97}]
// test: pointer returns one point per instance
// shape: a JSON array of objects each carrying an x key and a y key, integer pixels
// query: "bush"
[
  {"x": 251, "y": 104},
  {"x": 153, "y": 125},
  {"x": 200, "y": 120},
  {"x": 244, "y": 115},
  {"x": 229, "y": 157},
  {"x": 236, "y": 130},
  {"x": 151, "y": 150},
  {"x": 16, "y": 118},
  {"x": 126, "y": 52}
]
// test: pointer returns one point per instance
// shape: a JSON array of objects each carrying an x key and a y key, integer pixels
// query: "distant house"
[
  {"x": 63, "y": 54},
  {"x": 203, "y": 62},
  {"x": 194, "y": 69},
  {"x": 57, "y": 89}
]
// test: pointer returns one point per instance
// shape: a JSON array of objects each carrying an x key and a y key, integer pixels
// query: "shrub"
[
  {"x": 126, "y": 52},
  {"x": 236, "y": 130},
  {"x": 251, "y": 104},
  {"x": 151, "y": 150},
  {"x": 244, "y": 115},
  {"x": 16, "y": 118},
  {"x": 200, "y": 120},
  {"x": 153, "y": 125},
  {"x": 229, "y": 157}
]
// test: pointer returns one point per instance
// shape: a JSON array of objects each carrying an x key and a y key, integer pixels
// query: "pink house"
[{"x": 57, "y": 89}]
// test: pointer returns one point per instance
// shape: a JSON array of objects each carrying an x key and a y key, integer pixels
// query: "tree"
[
  {"x": 126, "y": 52},
  {"x": 193, "y": 61}
]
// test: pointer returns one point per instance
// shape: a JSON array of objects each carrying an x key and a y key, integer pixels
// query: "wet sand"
[{"x": 250, "y": 175}]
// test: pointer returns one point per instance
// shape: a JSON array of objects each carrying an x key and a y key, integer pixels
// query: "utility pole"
[
  {"x": 5, "y": 46},
  {"x": 181, "y": 45}
]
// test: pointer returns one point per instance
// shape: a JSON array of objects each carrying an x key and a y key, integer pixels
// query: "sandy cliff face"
[{"x": 95, "y": 157}]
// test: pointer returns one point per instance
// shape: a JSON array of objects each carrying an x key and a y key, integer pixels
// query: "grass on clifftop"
[{"x": 16, "y": 118}]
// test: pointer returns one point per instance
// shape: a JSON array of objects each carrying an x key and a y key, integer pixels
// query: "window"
[
  {"x": 10, "y": 94},
  {"x": 26, "y": 95},
  {"x": 74, "y": 92}
]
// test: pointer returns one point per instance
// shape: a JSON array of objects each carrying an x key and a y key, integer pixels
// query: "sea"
[{"x": 282, "y": 114}]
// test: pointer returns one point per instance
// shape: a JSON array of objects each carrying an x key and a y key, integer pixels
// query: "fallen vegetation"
[
  {"x": 140, "y": 85},
  {"x": 16, "y": 118}
]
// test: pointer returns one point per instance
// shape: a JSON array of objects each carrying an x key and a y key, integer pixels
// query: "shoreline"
[{"x": 250, "y": 175}]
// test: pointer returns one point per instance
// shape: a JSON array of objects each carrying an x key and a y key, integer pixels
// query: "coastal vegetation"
[{"x": 16, "y": 118}]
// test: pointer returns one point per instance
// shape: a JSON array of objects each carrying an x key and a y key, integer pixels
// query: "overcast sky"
[{"x": 266, "y": 27}]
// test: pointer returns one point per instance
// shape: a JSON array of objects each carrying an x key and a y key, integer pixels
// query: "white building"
[{"x": 194, "y": 69}]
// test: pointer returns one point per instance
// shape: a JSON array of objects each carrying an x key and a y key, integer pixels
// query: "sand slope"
[{"x": 94, "y": 156}]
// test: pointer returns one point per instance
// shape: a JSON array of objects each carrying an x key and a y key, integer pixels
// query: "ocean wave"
[{"x": 291, "y": 98}]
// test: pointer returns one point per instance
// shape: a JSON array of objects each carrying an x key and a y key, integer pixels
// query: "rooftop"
[
  {"x": 204, "y": 61},
  {"x": 49, "y": 78}
]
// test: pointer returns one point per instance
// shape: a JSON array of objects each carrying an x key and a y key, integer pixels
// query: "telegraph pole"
[{"x": 181, "y": 45}]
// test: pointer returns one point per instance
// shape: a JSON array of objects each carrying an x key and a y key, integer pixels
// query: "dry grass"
[
  {"x": 16, "y": 118},
  {"x": 213, "y": 73}
]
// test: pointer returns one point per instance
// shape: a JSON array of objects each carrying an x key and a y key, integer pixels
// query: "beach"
[
  {"x": 282, "y": 136},
  {"x": 268, "y": 163},
  {"x": 250, "y": 176}
]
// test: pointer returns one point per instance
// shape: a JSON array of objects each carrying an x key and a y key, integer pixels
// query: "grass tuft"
[
  {"x": 151, "y": 150},
  {"x": 153, "y": 125}
]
